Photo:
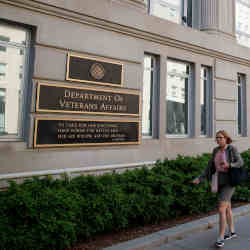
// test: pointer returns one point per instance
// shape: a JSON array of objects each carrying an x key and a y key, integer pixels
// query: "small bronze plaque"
[
  {"x": 78, "y": 132},
  {"x": 67, "y": 99},
  {"x": 91, "y": 70}
]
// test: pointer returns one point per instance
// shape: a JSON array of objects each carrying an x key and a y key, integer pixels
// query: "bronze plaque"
[
  {"x": 63, "y": 132},
  {"x": 67, "y": 99},
  {"x": 92, "y": 70}
]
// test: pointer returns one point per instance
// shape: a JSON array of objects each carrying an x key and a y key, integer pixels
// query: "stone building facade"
[{"x": 182, "y": 61}]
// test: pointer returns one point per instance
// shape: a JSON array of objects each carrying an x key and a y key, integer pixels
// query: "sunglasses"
[{"x": 219, "y": 137}]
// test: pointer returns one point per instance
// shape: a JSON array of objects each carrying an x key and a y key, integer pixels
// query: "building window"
[
  {"x": 177, "y": 11},
  {"x": 3, "y": 70},
  {"x": 2, "y": 111},
  {"x": 241, "y": 105},
  {"x": 150, "y": 96},
  {"x": 242, "y": 17},
  {"x": 206, "y": 101},
  {"x": 4, "y": 39},
  {"x": 179, "y": 104},
  {"x": 2, "y": 48},
  {"x": 12, "y": 65}
]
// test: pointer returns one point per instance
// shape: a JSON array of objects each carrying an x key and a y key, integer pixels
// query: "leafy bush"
[
  {"x": 243, "y": 191},
  {"x": 54, "y": 214}
]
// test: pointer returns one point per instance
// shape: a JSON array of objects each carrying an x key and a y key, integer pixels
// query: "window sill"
[
  {"x": 147, "y": 137},
  {"x": 11, "y": 139},
  {"x": 178, "y": 136}
]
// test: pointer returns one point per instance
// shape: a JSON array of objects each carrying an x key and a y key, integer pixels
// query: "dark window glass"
[
  {"x": 239, "y": 105},
  {"x": 2, "y": 110}
]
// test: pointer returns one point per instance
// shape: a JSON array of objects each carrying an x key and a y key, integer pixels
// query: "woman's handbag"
[
  {"x": 214, "y": 183},
  {"x": 238, "y": 175}
]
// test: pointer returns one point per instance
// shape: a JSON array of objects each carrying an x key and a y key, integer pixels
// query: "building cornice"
[
  {"x": 77, "y": 17},
  {"x": 140, "y": 4}
]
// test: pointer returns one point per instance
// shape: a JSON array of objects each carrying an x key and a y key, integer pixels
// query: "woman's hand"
[
  {"x": 196, "y": 180},
  {"x": 224, "y": 165}
]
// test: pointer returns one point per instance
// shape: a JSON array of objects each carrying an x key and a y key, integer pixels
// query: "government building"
[{"x": 96, "y": 86}]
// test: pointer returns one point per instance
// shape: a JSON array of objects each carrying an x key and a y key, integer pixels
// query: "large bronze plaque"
[
  {"x": 91, "y": 70},
  {"x": 67, "y": 99},
  {"x": 53, "y": 132}
]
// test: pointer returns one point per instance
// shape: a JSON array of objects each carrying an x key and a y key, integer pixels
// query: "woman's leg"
[
  {"x": 229, "y": 216},
  {"x": 223, "y": 218}
]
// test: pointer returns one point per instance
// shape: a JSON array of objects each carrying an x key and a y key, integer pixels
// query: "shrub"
[{"x": 54, "y": 214}]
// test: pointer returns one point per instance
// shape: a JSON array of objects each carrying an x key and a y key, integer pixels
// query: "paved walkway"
[
  {"x": 205, "y": 240},
  {"x": 196, "y": 235}
]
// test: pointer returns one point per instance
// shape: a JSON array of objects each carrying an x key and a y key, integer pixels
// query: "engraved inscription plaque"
[
  {"x": 53, "y": 132},
  {"x": 68, "y": 99},
  {"x": 92, "y": 70}
]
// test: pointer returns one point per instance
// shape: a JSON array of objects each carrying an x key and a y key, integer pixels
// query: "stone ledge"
[
  {"x": 70, "y": 172},
  {"x": 140, "y": 5}
]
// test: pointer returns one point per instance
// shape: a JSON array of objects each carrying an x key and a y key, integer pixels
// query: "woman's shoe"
[
  {"x": 219, "y": 243},
  {"x": 230, "y": 236}
]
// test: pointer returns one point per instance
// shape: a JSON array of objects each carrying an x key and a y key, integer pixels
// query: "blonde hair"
[{"x": 226, "y": 135}]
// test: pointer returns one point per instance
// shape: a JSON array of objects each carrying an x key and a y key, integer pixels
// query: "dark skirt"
[{"x": 225, "y": 193}]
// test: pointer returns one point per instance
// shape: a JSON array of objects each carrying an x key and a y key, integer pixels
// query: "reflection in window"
[
  {"x": 12, "y": 66},
  {"x": 4, "y": 38},
  {"x": 21, "y": 52},
  {"x": 149, "y": 95},
  {"x": 205, "y": 100},
  {"x": 13, "y": 35},
  {"x": 177, "y": 11},
  {"x": 242, "y": 24},
  {"x": 177, "y": 103},
  {"x": 21, "y": 71},
  {"x": 3, "y": 48},
  {"x": 2, "y": 111},
  {"x": 3, "y": 69}
]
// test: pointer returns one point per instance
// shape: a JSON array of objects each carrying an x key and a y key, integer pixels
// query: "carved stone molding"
[
  {"x": 147, "y": 35},
  {"x": 138, "y": 4}
]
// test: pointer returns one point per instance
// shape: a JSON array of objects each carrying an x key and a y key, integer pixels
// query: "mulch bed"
[{"x": 109, "y": 239}]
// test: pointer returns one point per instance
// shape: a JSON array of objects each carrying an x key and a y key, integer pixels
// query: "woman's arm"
[
  {"x": 236, "y": 159},
  {"x": 210, "y": 169},
  {"x": 207, "y": 173}
]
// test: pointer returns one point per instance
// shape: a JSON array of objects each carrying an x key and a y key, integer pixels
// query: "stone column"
[{"x": 218, "y": 17}]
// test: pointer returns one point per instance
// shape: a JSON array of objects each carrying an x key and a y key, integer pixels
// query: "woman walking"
[{"x": 224, "y": 156}]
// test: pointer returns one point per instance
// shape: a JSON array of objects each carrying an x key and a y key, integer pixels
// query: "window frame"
[
  {"x": 185, "y": 15},
  {"x": 208, "y": 100},
  {"x": 154, "y": 95},
  {"x": 238, "y": 32},
  {"x": 191, "y": 102},
  {"x": 22, "y": 118},
  {"x": 241, "y": 81},
  {"x": 4, "y": 73},
  {"x": 2, "y": 90}
]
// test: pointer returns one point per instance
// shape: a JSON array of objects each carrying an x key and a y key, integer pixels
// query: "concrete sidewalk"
[{"x": 176, "y": 233}]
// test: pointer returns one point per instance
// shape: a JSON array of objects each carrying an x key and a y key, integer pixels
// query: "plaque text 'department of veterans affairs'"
[
  {"x": 78, "y": 132},
  {"x": 67, "y": 99},
  {"x": 92, "y": 70}
]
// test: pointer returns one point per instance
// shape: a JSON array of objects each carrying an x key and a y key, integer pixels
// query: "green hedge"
[{"x": 55, "y": 214}]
